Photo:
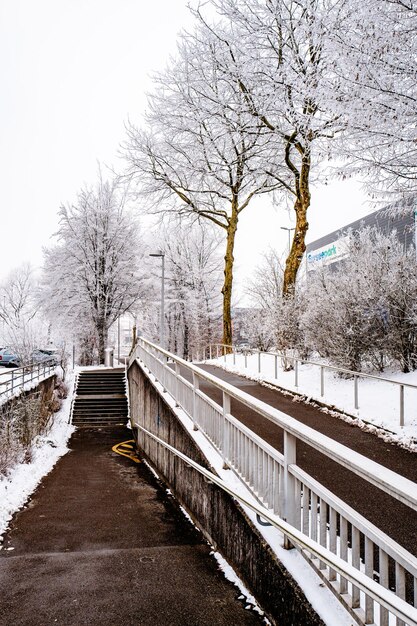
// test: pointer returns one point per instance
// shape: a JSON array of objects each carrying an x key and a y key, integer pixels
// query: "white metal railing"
[
  {"x": 12, "y": 381},
  {"x": 388, "y": 601},
  {"x": 287, "y": 491},
  {"x": 229, "y": 353}
]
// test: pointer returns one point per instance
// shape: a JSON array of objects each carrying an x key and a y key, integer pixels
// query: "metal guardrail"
[
  {"x": 229, "y": 353},
  {"x": 11, "y": 381},
  {"x": 385, "y": 598},
  {"x": 285, "y": 490}
]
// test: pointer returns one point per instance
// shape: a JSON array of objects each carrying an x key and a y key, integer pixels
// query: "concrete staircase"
[{"x": 100, "y": 398}]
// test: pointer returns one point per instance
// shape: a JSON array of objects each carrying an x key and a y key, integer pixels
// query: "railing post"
[
  {"x": 276, "y": 366},
  {"x": 259, "y": 362},
  {"x": 356, "y": 392},
  {"x": 217, "y": 351},
  {"x": 226, "y": 411},
  {"x": 210, "y": 355},
  {"x": 401, "y": 405},
  {"x": 224, "y": 353},
  {"x": 177, "y": 386},
  {"x": 246, "y": 359},
  {"x": 296, "y": 373},
  {"x": 234, "y": 355},
  {"x": 290, "y": 458},
  {"x": 196, "y": 387},
  {"x": 322, "y": 381}
]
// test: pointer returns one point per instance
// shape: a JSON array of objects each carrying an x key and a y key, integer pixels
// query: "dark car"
[{"x": 8, "y": 358}]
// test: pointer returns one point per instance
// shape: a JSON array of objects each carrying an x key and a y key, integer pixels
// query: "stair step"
[{"x": 100, "y": 398}]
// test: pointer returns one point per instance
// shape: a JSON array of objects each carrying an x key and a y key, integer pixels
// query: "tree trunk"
[
  {"x": 102, "y": 340},
  {"x": 293, "y": 262},
  {"x": 228, "y": 278}
]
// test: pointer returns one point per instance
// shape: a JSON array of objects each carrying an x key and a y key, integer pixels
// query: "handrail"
[
  {"x": 395, "y": 485},
  {"x": 354, "y": 375},
  {"x": 16, "y": 378},
  {"x": 351, "y": 373},
  {"x": 401, "y": 609},
  {"x": 278, "y": 483}
]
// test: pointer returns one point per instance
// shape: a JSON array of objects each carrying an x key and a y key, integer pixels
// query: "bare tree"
[
  {"x": 204, "y": 156},
  {"x": 91, "y": 276}
]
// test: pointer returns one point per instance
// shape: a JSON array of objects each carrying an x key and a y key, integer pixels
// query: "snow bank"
[{"x": 22, "y": 479}]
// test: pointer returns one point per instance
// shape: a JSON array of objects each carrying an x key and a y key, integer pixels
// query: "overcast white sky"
[{"x": 71, "y": 73}]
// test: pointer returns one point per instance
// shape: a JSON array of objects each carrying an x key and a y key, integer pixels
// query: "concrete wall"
[
  {"x": 221, "y": 520},
  {"x": 45, "y": 391}
]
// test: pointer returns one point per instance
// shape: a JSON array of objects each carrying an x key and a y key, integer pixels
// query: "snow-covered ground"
[
  {"x": 22, "y": 479},
  {"x": 379, "y": 401}
]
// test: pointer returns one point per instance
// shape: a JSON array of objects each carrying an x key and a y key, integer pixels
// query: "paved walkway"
[
  {"x": 394, "y": 518},
  {"x": 101, "y": 543}
]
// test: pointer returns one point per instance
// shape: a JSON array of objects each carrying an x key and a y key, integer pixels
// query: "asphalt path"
[
  {"x": 102, "y": 543},
  {"x": 395, "y": 519}
]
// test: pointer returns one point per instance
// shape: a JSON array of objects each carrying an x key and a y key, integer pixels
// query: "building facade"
[{"x": 335, "y": 246}]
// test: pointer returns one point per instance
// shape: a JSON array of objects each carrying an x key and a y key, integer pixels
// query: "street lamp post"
[
  {"x": 118, "y": 340},
  {"x": 289, "y": 236},
  {"x": 161, "y": 330}
]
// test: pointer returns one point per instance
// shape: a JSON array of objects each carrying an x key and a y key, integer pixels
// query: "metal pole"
[
  {"x": 290, "y": 458},
  {"x": 356, "y": 390},
  {"x": 196, "y": 386},
  {"x": 163, "y": 302},
  {"x": 162, "y": 324},
  {"x": 401, "y": 405},
  {"x": 226, "y": 411},
  {"x": 118, "y": 339}
]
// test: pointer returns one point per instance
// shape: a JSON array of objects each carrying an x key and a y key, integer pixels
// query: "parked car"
[
  {"x": 8, "y": 358},
  {"x": 44, "y": 356}
]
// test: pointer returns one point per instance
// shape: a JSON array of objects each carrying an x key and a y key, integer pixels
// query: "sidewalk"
[{"x": 102, "y": 543}]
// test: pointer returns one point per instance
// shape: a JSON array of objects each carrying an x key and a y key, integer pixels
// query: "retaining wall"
[{"x": 222, "y": 521}]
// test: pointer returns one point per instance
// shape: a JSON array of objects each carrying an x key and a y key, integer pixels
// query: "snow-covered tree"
[
  {"x": 203, "y": 155},
  {"x": 364, "y": 312},
  {"x": 91, "y": 276},
  {"x": 23, "y": 326},
  {"x": 376, "y": 63},
  {"x": 283, "y": 55},
  {"x": 276, "y": 321},
  {"x": 193, "y": 288}
]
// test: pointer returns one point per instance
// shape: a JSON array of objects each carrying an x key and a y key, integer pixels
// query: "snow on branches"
[{"x": 91, "y": 276}]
